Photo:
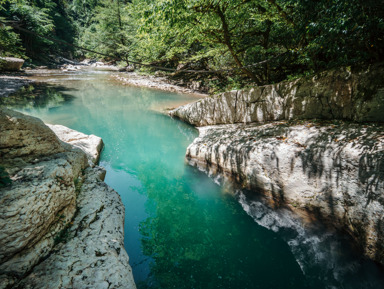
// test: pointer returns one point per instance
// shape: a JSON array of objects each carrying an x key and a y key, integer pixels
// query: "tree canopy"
[{"x": 258, "y": 41}]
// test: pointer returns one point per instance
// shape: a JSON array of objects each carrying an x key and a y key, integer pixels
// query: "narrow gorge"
[{"x": 287, "y": 187}]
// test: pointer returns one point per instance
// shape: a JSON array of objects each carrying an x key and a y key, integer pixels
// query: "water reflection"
[
  {"x": 37, "y": 96},
  {"x": 321, "y": 253},
  {"x": 199, "y": 237}
]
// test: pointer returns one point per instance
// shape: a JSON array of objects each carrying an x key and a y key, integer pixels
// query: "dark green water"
[{"x": 181, "y": 229}]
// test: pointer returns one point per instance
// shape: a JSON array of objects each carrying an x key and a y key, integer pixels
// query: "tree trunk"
[{"x": 228, "y": 43}]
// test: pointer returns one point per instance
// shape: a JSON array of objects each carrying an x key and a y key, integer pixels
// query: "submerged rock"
[
  {"x": 330, "y": 172},
  {"x": 60, "y": 225}
]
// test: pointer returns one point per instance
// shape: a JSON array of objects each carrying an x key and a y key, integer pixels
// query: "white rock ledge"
[
  {"x": 92, "y": 145},
  {"x": 329, "y": 172}
]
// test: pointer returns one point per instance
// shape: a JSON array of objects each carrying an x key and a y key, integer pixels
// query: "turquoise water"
[{"x": 182, "y": 230}]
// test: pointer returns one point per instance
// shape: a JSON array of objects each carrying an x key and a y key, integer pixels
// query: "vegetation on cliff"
[{"x": 288, "y": 37}]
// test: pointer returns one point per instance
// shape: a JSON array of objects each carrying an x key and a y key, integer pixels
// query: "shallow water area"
[{"x": 182, "y": 230}]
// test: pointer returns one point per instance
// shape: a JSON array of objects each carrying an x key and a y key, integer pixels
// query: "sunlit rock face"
[
  {"x": 336, "y": 94},
  {"x": 333, "y": 172},
  {"x": 60, "y": 225},
  {"x": 90, "y": 144}
]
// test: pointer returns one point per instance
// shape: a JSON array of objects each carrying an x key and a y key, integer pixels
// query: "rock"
[
  {"x": 333, "y": 173},
  {"x": 38, "y": 205},
  {"x": 336, "y": 94},
  {"x": 92, "y": 145},
  {"x": 70, "y": 67},
  {"x": 41, "y": 200},
  {"x": 63, "y": 60},
  {"x": 25, "y": 138},
  {"x": 87, "y": 61},
  {"x": 154, "y": 82},
  {"x": 60, "y": 225},
  {"x": 11, "y": 63},
  {"x": 93, "y": 256}
]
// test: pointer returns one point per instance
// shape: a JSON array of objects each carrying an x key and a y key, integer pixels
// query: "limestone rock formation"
[
  {"x": 57, "y": 214},
  {"x": 24, "y": 138},
  {"x": 337, "y": 94},
  {"x": 90, "y": 144},
  {"x": 331, "y": 172},
  {"x": 91, "y": 254}
]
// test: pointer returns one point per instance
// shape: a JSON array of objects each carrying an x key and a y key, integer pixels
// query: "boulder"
[
  {"x": 41, "y": 200},
  {"x": 11, "y": 63},
  {"x": 92, "y": 145},
  {"x": 24, "y": 138},
  {"x": 91, "y": 254}
]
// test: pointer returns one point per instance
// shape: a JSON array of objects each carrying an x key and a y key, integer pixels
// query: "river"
[{"x": 182, "y": 230}]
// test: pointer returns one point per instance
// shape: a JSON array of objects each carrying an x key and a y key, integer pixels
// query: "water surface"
[{"x": 182, "y": 230}]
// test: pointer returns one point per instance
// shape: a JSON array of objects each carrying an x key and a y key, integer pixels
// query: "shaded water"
[{"x": 181, "y": 229}]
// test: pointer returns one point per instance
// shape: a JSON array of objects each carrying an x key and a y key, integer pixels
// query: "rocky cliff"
[
  {"x": 331, "y": 171},
  {"x": 60, "y": 225},
  {"x": 337, "y": 94}
]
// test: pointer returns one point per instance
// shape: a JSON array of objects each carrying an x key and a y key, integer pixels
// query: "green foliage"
[
  {"x": 334, "y": 33},
  {"x": 316, "y": 34},
  {"x": 63, "y": 236},
  {"x": 296, "y": 36},
  {"x": 10, "y": 44},
  {"x": 108, "y": 32},
  {"x": 44, "y": 17}
]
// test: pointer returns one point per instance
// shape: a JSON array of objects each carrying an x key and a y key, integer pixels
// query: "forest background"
[{"x": 250, "y": 42}]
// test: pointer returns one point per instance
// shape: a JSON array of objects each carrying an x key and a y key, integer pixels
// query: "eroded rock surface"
[
  {"x": 90, "y": 144},
  {"x": 333, "y": 172},
  {"x": 91, "y": 254},
  {"x": 337, "y": 94},
  {"x": 60, "y": 225}
]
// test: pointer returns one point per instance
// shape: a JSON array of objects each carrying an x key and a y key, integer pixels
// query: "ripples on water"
[{"x": 182, "y": 230}]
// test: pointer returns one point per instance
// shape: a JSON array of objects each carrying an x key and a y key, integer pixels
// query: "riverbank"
[
  {"x": 157, "y": 82},
  {"x": 328, "y": 171},
  {"x": 61, "y": 225}
]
